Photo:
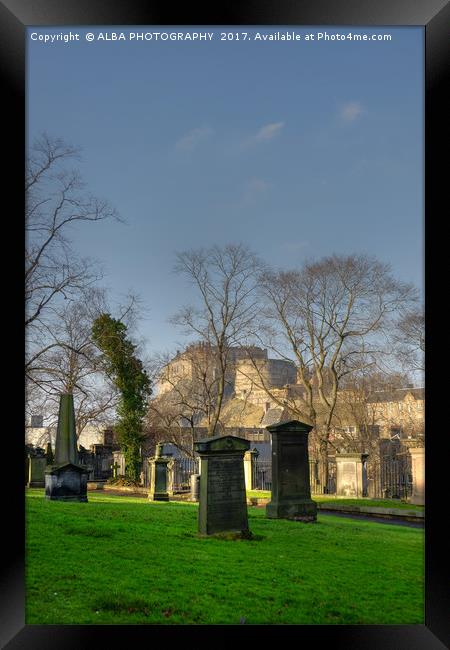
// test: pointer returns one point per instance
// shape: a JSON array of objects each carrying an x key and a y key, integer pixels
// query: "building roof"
[
  {"x": 273, "y": 416},
  {"x": 395, "y": 395},
  {"x": 240, "y": 413}
]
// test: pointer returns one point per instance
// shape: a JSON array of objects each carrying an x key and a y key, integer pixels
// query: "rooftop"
[{"x": 396, "y": 395}]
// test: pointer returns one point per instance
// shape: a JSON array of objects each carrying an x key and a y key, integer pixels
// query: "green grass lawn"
[
  {"x": 125, "y": 560},
  {"x": 364, "y": 501}
]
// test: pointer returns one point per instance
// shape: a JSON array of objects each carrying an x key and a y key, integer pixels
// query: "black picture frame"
[{"x": 15, "y": 16}]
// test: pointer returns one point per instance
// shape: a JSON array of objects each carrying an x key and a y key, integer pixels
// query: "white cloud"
[
  {"x": 265, "y": 133},
  {"x": 351, "y": 111},
  {"x": 193, "y": 138},
  {"x": 268, "y": 132}
]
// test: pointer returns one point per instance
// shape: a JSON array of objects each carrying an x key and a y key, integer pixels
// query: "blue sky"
[{"x": 299, "y": 149}]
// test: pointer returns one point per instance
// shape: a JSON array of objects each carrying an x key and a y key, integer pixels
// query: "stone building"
[
  {"x": 199, "y": 361},
  {"x": 253, "y": 376},
  {"x": 260, "y": 390},
  {"x": 91, "y": 435},
  {"x": 398, "y": 412}
]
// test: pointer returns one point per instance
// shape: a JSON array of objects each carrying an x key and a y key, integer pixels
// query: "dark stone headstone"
[
  {"x": 49, "y": 454},
  {"x": 291, "y": 490},
  {"x": 159, "y": 480},
  {"x": 66, "y": 480},
  {"x": 36, "y": 469},
  {"x": 223, "y": 503}
]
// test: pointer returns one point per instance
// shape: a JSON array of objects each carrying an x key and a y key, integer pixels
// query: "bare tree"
[
  {"x": 69, "y": 364},
  {"x": 357, "y": 424},
  {"x": 409, "y": 340},
  {"x": 181, "y": 403},
  {"x": 225, "y": 281},
  {"x": 330, "y": 317},
  {"x": 169, "y": 420},
  {"x": 56, "y": 200}
]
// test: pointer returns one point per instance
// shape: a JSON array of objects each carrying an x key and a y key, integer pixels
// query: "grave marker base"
[{"x": 300, "y": 511}]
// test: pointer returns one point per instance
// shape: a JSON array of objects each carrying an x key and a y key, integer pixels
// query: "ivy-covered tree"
[{"x": 130, "y": 378}]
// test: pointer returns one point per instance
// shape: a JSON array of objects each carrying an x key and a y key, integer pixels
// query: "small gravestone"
[
  {"x": 195, "y": 487},
  {"x": 159, "y": 483},
  {"x": 36, "y": 469},
  {"x": 250, "y": 458},
  {"x": 418, "y": 475},
  {"x": 49, "y": 454},
  {"x": 223, "y": 503},
  {"x": 65, "y": 479},
  {"x": 291, "y": 490},
  {"x": 351, "y": 475},
  {"x": 115, "y": 468}
]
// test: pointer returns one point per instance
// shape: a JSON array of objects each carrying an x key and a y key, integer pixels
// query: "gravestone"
[
  {"x": 119, "y": 459},
  {"x": 195, "y": 487},
  {"x": 115, "y": 468},
  {"x": 250, "y": 458},
  {"x": 159, "y": 480},
  {"x": 65, "y": 479},
  {"x": 351, "y": 475},
  {"x": 223, "y": 503},
  {"x": 291, "y": 489},
  {"x": 49, "y": 454},
  {"x": 418, "y": 475},
  {"x": 36, "y": 471}
]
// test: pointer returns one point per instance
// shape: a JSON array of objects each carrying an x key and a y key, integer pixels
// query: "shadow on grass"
[
  {"x": 89, "y": 531},
  {"x": 244, "y": 536},
  {"x": 121, "y": 604}
]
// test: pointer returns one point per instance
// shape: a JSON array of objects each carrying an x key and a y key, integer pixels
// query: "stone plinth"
[
  {"x": 66, "y": 483},
  {"x": 223, "y": 503},
  {"x": 351, "y": 475},
  {"x": 36, "y": 472},
  {"x": 66, "y": 480},
  {"x": 249, "y": 463},
  {"x": 418, "y": 474},
  {"x": 159, "y": 480},
  {"x": 291, "y": 490},
  {"x": 195, "y": 487}
]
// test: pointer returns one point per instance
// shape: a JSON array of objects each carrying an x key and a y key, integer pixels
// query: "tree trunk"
[{"x": 323, "y": 466}]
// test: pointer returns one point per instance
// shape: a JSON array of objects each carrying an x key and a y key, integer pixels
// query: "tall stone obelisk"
[{"x": 66, "y": 480}]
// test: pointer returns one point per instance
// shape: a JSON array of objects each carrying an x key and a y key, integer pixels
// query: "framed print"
[{"x": 275, "y": 166}]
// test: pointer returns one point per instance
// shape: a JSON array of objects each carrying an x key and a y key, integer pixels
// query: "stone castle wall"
[{"x": 272, "y": 373}]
